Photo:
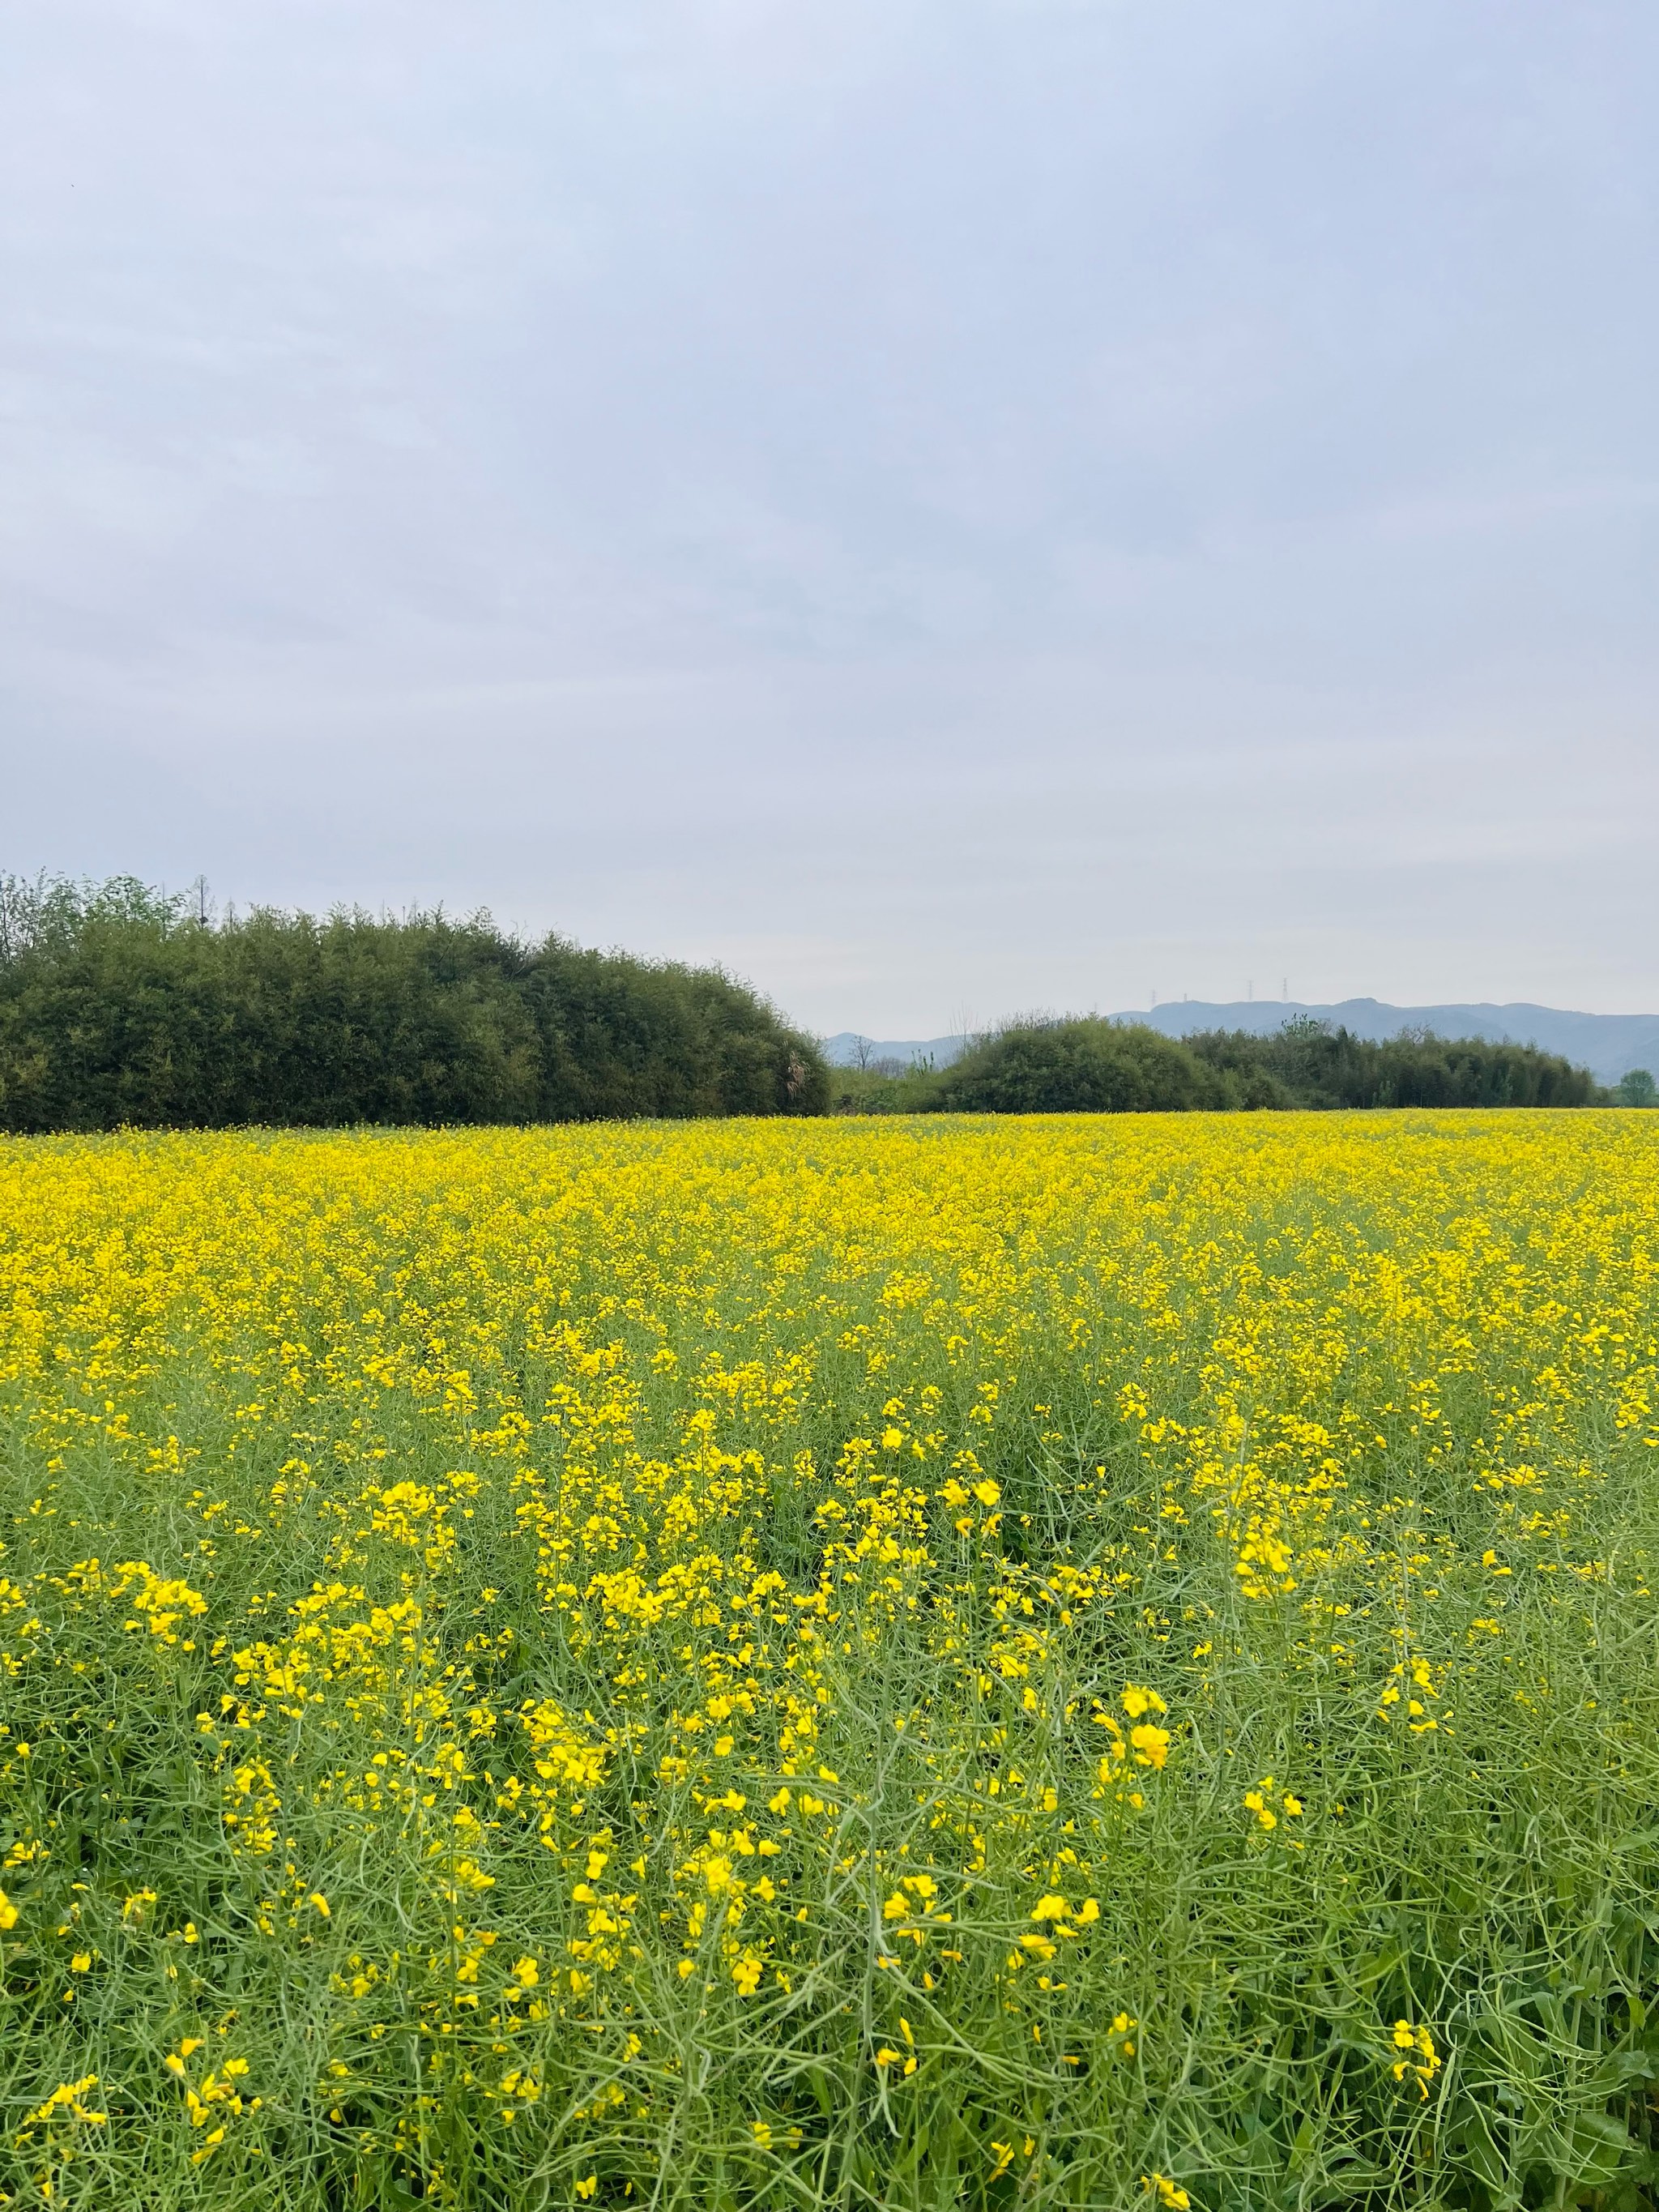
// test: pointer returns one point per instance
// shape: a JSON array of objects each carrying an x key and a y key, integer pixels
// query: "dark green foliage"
[
  {"x": 1310, "y": 1064},
  {"x": 1638, "y": 1088},
  {"x": 1079, "y": 1067},
  {"x": 118, "y": 1007},
  {"x": 1091, "y": 1066}
]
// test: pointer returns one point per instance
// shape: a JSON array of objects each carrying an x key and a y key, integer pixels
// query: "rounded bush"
[{"x": 1083, "y": 1067}]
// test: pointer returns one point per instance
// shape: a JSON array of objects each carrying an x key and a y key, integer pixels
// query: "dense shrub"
[
  {"x": 118, "y": 1007},
  {"x": 1307, "y": 1063},
  {"x": 1078, "y": 1066},
  {"x": 1094, "y": 1065}
]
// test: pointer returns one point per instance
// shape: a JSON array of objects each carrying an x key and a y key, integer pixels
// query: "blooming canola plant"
[{"x": 1029, "y": 1661}]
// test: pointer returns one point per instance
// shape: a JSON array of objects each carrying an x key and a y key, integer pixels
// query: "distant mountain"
[
  {"x": 842, "y": 1049},
  {"x": 1609, "y": 1045}
]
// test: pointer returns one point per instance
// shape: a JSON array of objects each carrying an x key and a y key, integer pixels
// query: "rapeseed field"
[{"x": 1054, "y": 1663}]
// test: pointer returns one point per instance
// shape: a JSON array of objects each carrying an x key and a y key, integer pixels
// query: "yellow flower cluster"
[
  {"x": 1421, "y": 2060},
  {"x": 629, "y": 1587},
  {"x": 213, "y": 2102}
]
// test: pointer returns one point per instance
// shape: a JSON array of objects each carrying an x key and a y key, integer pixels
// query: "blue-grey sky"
[{"x": 946, "y": 506}]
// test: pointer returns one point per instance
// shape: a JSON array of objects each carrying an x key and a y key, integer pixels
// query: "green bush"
[
  {"x": 117, "y": 1007},
  {"x": 1087, "y": 1064},
  {"x": 1307, "y": 1063},
  {"x": 1081, "y": 1066},
  {"x": 885, "y": 1089}
]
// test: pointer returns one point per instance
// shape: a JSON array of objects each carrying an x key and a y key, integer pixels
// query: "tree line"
[
  {"x": 1090, "y": 1065},
  {"x": 118, "y": 1006}
]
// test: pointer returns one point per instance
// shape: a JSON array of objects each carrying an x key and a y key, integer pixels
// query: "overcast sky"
[{"x": 946, "y": 506}]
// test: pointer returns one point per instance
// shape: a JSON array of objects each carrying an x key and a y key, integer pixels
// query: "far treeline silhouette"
[
  {"x": 119, "y": 1007},
  {"x": 1093, "y": 1066}
]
